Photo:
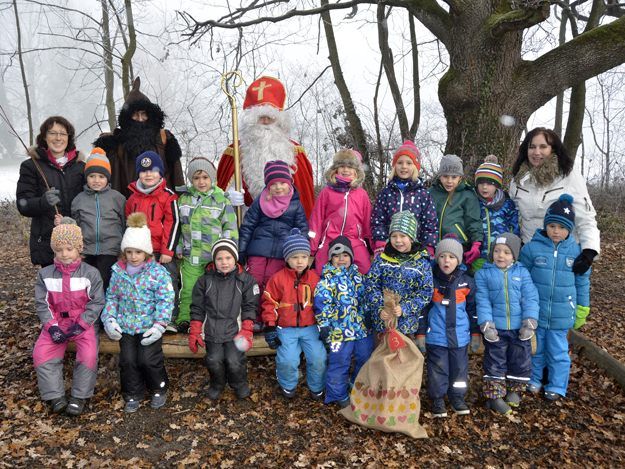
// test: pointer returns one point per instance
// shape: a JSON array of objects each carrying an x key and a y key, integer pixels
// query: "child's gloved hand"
[
  {"x": 58, "y": 336},
  {"x": 271, "y": 337},
  {"x": 112, "y": 329},
  {"x": 431, "y": 251},
  {"x": 421, "y": 343},
  {"x": 378, "y": 247},
  {"x": 476, "y": 342},
  {"x": 244, "y": 340},
  {"x": 195, "y": 336},
  {"x": 490, "y": 332},
  {"x": 528, "y": 326},
  {"x": 472, "y": 254},
  {"x": 324, "y": 333},
  {"x": 152, "y": 334},
  {"x": 75, "y": 330},
  {"x": 236, "y": 198},
  {"x": 584, "y": 261},
  {"x": 581, "y": 313}
]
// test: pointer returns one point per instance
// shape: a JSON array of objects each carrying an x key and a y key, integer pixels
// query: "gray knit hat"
[
  {"x": 509, "y": 239},
  {"x": 451, "y": 165},
  {"x": 200, "y": 163},
  {"x": 450, "y": 244}
]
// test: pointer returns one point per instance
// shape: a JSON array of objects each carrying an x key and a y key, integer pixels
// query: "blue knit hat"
[
  {"x": 561, "y": 212},
  {"x": 404, "y": 222},
  {"x": 295, "y": 243},
  {"x": 149, "y": 161}
]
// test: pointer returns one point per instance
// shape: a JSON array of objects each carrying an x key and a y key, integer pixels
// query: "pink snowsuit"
[
  {"x": 341, "y": 213},
  {"x": 66, "y": 295}
]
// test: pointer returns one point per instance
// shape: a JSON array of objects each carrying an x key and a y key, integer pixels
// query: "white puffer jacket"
[{"x": 533, "y": 201}]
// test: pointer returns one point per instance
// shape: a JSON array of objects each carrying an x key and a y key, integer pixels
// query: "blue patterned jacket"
[
  {"x": 338, "y": 303},
  {"x": 497, "y": 220},
  {"x": 410, "y": 278}
]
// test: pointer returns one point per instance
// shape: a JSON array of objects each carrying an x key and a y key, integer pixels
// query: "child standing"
[
  {"x": 206, "y": 215},
  {"x": 403, "y": 268},
  {"x": 68, "y": 298},
  {"x": 290, "y": 320},
  {"x": 339, "y": 314},
  {"x": 139, "y": 302},
  {"x": 151, "y": 196},
  {"x": 405, "y": 191},
  {"x": 507, "y": 311},
  {"x": 497, "y": 210},
  {"x": 457, "y": 207},
  {"x": 342, "y": 208},
  {"x": 564, "y": 296},
  {"x": 224, "y": 306},
  {"x": 99, "y": 211},
  {"x": 267, "y": 223},
  {"x": 449, "y": 325}
]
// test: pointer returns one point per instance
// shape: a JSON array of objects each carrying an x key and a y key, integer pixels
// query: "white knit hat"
[{"x": 137, "y": 235}]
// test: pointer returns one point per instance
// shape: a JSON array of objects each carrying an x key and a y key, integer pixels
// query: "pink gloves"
[{"x": 472, "y": 254}]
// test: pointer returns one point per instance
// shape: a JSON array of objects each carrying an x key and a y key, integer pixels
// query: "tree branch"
[{"x": 516, "y": 20}]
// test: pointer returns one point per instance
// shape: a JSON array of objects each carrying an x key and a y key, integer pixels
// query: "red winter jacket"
[
  {"x": 161, "y": 209},
  {"x": 288, "y": 299}
]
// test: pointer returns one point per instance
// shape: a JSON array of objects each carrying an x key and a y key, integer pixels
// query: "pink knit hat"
[{"x": 409, "y": 149}]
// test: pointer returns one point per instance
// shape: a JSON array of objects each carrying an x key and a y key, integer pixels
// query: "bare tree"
[{"x": 23, "y": 71}]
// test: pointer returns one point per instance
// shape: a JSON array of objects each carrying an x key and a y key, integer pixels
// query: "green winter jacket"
[
  {"x": 204, "y": 218},
  {"x": 458, "y": 212}
]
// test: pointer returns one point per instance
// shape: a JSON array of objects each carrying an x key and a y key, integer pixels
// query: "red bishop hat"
[{"x": 265, "y": 90}]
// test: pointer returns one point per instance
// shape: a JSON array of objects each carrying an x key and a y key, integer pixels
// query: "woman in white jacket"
[{"x": 541, "y": 173}]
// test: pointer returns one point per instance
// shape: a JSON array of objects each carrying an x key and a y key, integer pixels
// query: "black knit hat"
[{"x": 339, "y": 245}]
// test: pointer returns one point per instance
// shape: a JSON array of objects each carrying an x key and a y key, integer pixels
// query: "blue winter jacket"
[
  {"x": 505, "y": 297},
  {"x": 559, "y": 289},
  {"x": 450, "y": 325},
  {"x": 497, "y": 220},
  {"x": 399, "y": 195},
  {"x": 260, "y": 235},
  {"x": 338, "y": 303},
  {"x": 411, "y": 278}
]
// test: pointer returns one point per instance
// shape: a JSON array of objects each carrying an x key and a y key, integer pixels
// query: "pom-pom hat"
[
  {"x": 137, "y": 235},
  {"x": 66, "y": 233},
  {"x": 409, "y": 149},
  {"x": 490, "y": 171},
  {"x": 97, "y": 162},
  {"x": 561, "y": 212}
]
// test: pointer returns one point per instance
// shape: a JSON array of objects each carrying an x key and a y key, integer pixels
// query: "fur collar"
[{"x": 542, "y": 175}]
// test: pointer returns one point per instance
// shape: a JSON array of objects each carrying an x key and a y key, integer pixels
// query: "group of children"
[{"x": 451, "y": 253}]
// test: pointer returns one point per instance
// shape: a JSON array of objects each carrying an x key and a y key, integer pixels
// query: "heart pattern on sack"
[{"x": 381, "y": 420}]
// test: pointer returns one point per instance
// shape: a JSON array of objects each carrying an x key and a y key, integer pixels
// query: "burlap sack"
[{"x": 386, "y": 391}]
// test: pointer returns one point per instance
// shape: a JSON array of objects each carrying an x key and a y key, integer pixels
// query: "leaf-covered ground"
[{"x": 585, "y": 429}]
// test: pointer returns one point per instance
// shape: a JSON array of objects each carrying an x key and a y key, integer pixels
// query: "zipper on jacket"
[
  {"x": 153, "y": 210},
  {"x": 507, "y": 297},
  {"x": 440, "y": 223},
  {"x": 344, "y": 212},
  {"x": 464, "y": 236},
  {"x": 401, "y": 200},
  {"x": 97, "y": 224},
  {"x": 551, "y": 190},
  {"x": 298, "y": 305},
  {"x": 553, "y": 280},
  {"x": 487, "y": 230}
]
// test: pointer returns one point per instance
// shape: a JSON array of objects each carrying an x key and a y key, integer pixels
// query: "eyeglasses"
[{"x": 57, "y": 134}]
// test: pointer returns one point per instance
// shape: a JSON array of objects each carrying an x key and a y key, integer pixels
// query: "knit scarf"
[
  {"x": 342, "y": 184},
  {"x": 445, "y": 280},
  {"x": 134, "y": 269},
  {"x": 274, "y": 205},
  {"x": 542, "y": 175},
  {"x": 496, "y": 202}
]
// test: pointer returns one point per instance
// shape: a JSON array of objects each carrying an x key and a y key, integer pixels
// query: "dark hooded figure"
[{"x": 140, "y": 129}]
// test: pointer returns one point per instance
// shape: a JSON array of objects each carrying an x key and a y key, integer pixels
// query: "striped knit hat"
[
  {"x": 67, "y": 232},
  {"x": 490, "y": 171},
  {"x": 404, "y": 222},
  {"x": 277, "y": 171},
  {"x": 409, "y": 149},
  {"x": 227, "y": 244},
  {"x": 295, "y": 243},
  {"x": 561, "y": 212},
  {"x": 200, "y": 163},
  {"x": 97, "y": 162}
]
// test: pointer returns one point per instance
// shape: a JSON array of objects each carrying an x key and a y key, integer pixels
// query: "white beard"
[{"x": 260, "y": 144}]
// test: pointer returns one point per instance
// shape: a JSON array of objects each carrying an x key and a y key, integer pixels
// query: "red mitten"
[
  {"x": 378, "y": 247},
  {"x": 244, "y": 339},
  {"x": 430, "y": 250},
  {"x": 473, "y": 253},
  {"x": 195, "y": 336}
]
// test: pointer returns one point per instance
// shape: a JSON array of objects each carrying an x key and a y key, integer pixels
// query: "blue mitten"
[{"x": 271, "y": 337}]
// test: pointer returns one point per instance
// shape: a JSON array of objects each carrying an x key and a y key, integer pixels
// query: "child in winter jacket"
[
  {"x": 403, "y": 268},
  {"x": 139, "y": 302},
  {"x": 457, "y": 207},
  {"x": 290, "y": 320},
  {"x": 564, "y": 296},
  {"x": 338, "y": 306},
  {"x": 507, "y": 311},
  {"x": 150, "y": 195},
  {"x": 449, "y": 325},
  {"x": 497, "y": 210},
  {"x": 99, "y": 211},
  {"x": 405, "y": 191},
  {"x": 68, "y": 298},
  {"x": 224, "y": 306},
  {"x": 267, "y": 223},
  {"x": 342, "y": 208},
  {"x": 206, "y": 215}
]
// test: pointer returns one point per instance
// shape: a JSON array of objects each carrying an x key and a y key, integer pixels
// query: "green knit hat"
[{"x": 404, "y": 222}]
